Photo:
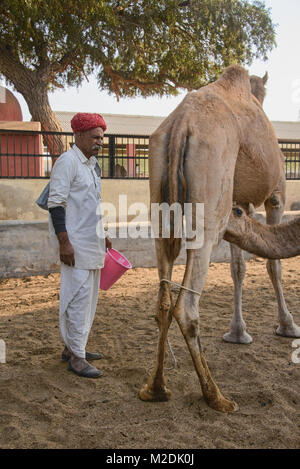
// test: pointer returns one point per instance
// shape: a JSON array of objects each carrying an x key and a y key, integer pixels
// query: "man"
[{"x": 76, "y": 222}]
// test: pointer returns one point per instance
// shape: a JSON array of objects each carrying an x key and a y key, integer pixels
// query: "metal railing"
[
  {"x": 291, "y": 151},
  {"x": 30, "y": 154}
]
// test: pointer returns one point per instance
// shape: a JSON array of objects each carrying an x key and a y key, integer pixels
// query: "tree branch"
[
  {"x": 117, "y": 78},
  {"x": 61, "y": 65},
  {"x": 12, "y": 68}
]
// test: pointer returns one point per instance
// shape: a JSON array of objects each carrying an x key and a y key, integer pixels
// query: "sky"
[{"x": 283, "y": 88}]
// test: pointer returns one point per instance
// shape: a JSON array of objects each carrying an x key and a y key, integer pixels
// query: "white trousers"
[{"x": 78, "y": 301}]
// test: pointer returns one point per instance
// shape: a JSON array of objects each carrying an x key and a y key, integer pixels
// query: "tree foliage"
[{"x": 143, "y": 47}]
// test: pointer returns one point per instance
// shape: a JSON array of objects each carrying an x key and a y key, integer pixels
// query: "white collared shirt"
[{"x": 75, "y": 185}]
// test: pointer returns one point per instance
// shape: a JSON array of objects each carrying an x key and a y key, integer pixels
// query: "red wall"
[
  {"x": 10, "y": 109},
  {"x": 16, "y": 155}
]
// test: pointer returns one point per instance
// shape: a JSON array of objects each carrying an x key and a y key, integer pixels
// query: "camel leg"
[
  {"x": 186, "y": 313},
  {"x": 287, "y": 327},
  {"x": 237, "y": 333},
  {"x": 155, "y": 389}
]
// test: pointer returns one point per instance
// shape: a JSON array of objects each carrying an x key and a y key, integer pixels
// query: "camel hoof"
[
  {"x": 223, "y": 405},
  {"x": 147, "y": 393},
  {"x": 243, "y": 338},
  {"x": 292, "y": 331}
]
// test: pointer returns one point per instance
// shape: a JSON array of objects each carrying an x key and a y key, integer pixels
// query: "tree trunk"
[
  {"x": 40, "y": 110},
  {"x": 33, "y": 85}
]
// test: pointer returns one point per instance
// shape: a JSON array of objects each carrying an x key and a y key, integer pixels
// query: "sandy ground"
[{"x": 45, "y": 406}]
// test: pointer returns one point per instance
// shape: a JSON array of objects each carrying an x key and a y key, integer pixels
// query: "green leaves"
[{"x": 134, "y": 46}]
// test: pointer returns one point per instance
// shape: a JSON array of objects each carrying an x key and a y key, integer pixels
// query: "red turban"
[{"x": 84, "y": 121}]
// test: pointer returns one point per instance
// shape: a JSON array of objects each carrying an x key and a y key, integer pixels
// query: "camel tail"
[{"x": 174, "y": 188}]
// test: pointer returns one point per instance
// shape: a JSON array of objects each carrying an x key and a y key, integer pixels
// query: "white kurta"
[{"x": 75, "y": 185}]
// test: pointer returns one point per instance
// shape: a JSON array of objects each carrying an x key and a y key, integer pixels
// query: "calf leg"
[{"x": 237, "y": 333}]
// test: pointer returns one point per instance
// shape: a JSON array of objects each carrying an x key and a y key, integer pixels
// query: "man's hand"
[
  {"x": 108, "y": 244},
  {"x": 66, "y": 251}
]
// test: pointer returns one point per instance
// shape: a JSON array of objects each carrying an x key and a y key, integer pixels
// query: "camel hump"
[{"x": 235, "y": 78}]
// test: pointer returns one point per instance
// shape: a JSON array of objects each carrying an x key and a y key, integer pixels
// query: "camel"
[{"x": 217, "y": 148}]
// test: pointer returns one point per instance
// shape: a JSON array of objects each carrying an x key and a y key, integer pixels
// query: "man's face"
[{"x": 90, "y": 142}]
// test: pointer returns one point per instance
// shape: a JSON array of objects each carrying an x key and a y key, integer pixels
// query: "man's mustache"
[{"x": 96, "y": 147}]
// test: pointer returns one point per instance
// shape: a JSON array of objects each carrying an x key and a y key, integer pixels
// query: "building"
[{"x": 123, "y": 124}]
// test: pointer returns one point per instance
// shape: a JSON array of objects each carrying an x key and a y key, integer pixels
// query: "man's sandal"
[
  {"x": 65, "y": 356},
  {"x": 88, "y": 372}
]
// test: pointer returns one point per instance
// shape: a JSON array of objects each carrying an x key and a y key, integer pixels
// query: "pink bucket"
[{"x": 115, "y": 265}]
